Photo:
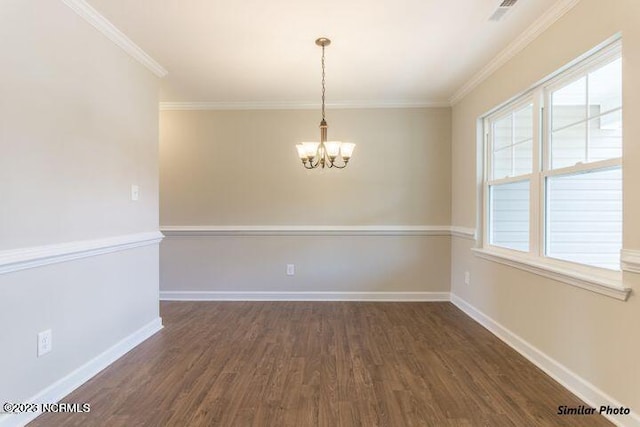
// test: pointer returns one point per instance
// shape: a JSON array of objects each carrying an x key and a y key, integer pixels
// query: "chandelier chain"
[{"x": 323, "y": 82}]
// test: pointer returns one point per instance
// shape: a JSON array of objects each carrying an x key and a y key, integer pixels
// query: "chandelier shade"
[{"x": 329, "y": 154}]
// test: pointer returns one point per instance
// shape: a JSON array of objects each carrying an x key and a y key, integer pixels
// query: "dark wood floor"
[{"x": 320, "y": 364}]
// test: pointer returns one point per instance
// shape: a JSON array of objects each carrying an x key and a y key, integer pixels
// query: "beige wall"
[
  {"x": 594, "y": 336},
  {"x": 225, "y": 168},
  {"x": 323, "y": 264},
  {"x": 241, "y": 167},
  {"x": 78, "y": 126}
]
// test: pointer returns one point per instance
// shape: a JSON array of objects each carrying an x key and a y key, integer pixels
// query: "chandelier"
[{"x": 325, "y": 153}]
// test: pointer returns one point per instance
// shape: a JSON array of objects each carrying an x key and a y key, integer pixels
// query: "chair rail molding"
[
  {"x": 463, "y": 232},
  {"x": 316, "y": 230},
  {"x": 20, "y": 259}
]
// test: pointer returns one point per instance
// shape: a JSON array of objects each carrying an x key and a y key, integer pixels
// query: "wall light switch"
[
  {"x": 135, "y": 192},
  {"x": 44, "y": 342},
  {"x": 291, "y": 269},
  {"x": 467, "y": 278}
]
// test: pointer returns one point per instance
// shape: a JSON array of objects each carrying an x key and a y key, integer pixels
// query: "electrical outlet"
[
  {"x": 467, "y": 278},
  {"x": 291, "y": 269},
  {"x": 45, "y": 343},
  {"x": 135, "y": 192}
]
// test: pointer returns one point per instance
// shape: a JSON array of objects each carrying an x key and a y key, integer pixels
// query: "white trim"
[
  {"x": 602, "y": 54},
  {"x": 510, "y": 179},
  {"x": 630, "y": 260},
  {"x": 463, "y": 232},
  {"x": 214, "y": 105},
  {"x": 61, "y": 388},
  {"x": 585, "y": 57},
  {"x": 555, "y": 12},
  {"x": 306, "y": 230},
  {"x": 607, "y": 283},
  {"x": 577, "y": 385},
  {"x": 102, "y": 24},
  {"x": 580, "y": 168},
  {"x": 301, "y": 296},
  {"x": 316, "y": 230},
  {"x": 19, "y": 259}
]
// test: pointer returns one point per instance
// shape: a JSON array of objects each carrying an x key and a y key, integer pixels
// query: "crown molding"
[
  {"x": 555, "y": 12},
  {"x": 102, "y": 24},
  {"x": 205, "y": 105}
]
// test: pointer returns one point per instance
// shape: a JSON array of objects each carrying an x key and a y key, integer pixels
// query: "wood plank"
[{"x": 320, "y": 364}]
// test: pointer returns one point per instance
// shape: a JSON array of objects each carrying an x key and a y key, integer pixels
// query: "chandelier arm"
[
  {"x": 306, "y": 163},
  {"x": 313, "y": 166}
]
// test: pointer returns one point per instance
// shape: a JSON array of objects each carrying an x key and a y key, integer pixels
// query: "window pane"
[
  {"x": 512, "y": 144},
  {"x": 568, "y": 146},
  {"x": 502, "y": 163},
  {"x": 569, "y": 104},
  {"x": 502, "y": 133},
  {"x": 605, "y": 137},
  {"x": 523, "y": 124},
  {"x": 522, "y": 158},
  {"x": 605, "y": 88},
  {"x": 584, "y": 218},
  {"x": 509, "y": 216}
]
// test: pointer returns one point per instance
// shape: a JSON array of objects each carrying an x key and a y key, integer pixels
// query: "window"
[
  {"x": 509, "y": 186},
  {"x": 553, "y": 167}
]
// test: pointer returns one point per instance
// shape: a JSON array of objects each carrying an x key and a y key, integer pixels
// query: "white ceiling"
[{"x": 258, "y": 51}]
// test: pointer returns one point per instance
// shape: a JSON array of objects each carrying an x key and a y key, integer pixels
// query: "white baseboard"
[
  {"x": 301, "y": 296},
  {"x": 61, "y": 388},
  {"x": 583, "y": 389}
]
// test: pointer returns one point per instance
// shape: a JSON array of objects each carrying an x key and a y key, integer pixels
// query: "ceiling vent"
[{"x": 502, "y": 10}]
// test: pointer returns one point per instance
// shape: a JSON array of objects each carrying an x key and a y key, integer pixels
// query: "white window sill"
[{"x": 593, "y": 279}]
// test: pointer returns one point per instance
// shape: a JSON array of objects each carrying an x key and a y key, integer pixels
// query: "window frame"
[
  {"x": 489, "y": 181},
  {"x": 598, "y": 279}
]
